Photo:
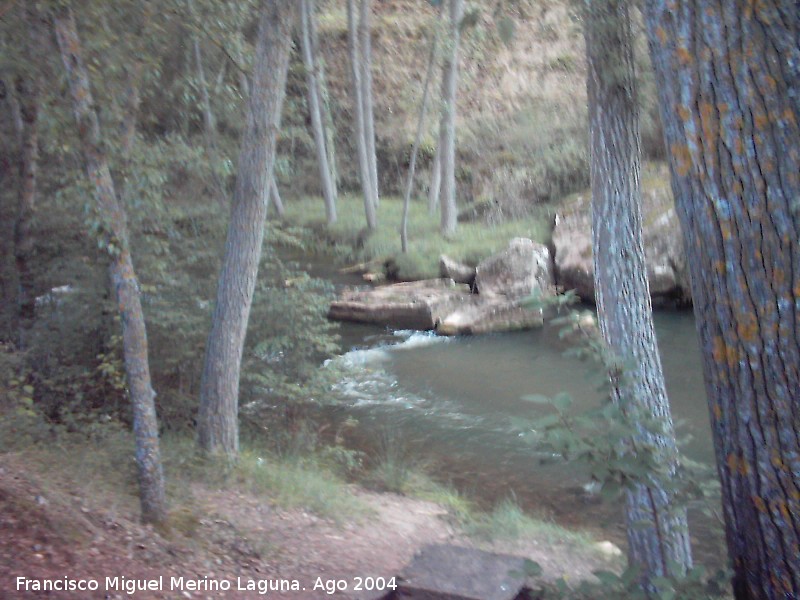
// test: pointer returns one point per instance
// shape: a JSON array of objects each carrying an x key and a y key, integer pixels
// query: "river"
[{"x": 457, "y": 406}]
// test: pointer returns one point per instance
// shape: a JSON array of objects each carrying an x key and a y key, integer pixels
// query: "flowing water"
[{"x": 456, "y": 404}]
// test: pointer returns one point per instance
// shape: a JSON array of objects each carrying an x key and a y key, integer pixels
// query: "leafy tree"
[
  {"x": 728, "y": 84},
  {"x": 123, "y": 277},
  {"x": 658, "y": 537},
  {"x": 218, "y": 426}
]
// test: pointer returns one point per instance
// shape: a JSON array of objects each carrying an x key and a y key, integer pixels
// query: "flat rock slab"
[
  {"x": 415, "y": 305},
  {"x": 491, "y": 315},
  {"x": 444, "y": 572}
]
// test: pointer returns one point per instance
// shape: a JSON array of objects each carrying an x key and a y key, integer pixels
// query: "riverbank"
[{"x": 69, "y": 509}]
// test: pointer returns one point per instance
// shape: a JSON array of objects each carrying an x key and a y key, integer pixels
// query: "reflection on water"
[{"x": 457, "y": 403}]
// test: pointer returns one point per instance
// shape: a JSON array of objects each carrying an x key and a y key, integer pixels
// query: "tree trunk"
[
  {"x": 322, "y": 93},
  {"x": 123, "y": 276},
  {"x": 415, "y": 148},
  {"x": 658, "y": 536},
  {"x": 449, "y": 214},
  {"x": 25, "y": 95},
  {"x": 358, "y": 106},
  {"x": 275, "y": 196},
  {"x": 218, "y": 421},
  {"x": 365, "y": 45},
  {"x": 434, "y": 191},
  {"x": 729, "y": 86},
  {"x": 317, "y": 124}
]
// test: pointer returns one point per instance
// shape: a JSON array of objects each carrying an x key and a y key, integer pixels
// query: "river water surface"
[{"x": 456, "y": 404}]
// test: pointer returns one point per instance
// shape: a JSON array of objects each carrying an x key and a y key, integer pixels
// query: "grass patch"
[
  {"x": 290, "y": 481},
  {"x": 507, "y": 521},
  {"x": 349, "y": 240}
]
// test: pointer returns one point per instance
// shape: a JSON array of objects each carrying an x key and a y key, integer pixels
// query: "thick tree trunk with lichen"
[
  {"x": 729, "y": 90},
  {"x": 315, "y": 109},
  {"x": 447, "y": 136},
  {"x": 658, "y": 537},
  {"x": 370, "y": 201},
  {"x": 123, "y": 276},
  {"x": 218, "y": 420}
]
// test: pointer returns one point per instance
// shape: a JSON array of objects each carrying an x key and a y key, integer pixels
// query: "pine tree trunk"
[
  {"x": 358, "y": 107},
  {"x": 365, "y": 45},
  {"x": 658, "y": 537},
  {"x": 449, "y": 214},
  {"x": 729, "y": 91},
  {"x": 415, "y": 148},
  {"x": 123, "y": 276},
  {"x": 317, "y": 124},
  {"x": 218, "y": 419}
]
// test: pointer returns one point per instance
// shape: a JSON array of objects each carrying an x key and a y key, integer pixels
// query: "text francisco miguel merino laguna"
[{"x": 130, "y": 586}]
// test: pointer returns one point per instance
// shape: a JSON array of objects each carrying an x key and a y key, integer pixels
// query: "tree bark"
[
  {"x": 275, "y": 196},
  {"x": 123, "y": 276},
  {"x": 434, "y": 191},
  {"x": 358, "y": 107},
  {"x": 26, "y": 95},
  {"x": 322, "y": 93},
  {"x": 658, "y": 536},
  {"x": 365, "y": 45},
  {"x": 415, "y": 148},
  {"x": 218, "y": 424},
  {"x": 449, "y": 214},
  {"x": 729, "y": 92},
  {"x": 317, "y": 124}
]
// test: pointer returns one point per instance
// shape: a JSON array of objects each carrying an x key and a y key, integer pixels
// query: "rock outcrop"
[
  {"x": 516, "y": 272},
  {"x": 458, "y": 272},
  {"x": 504, "y": 281},
  {"x": 414, "y": 305},
  {"x": 666, "y": 262}
]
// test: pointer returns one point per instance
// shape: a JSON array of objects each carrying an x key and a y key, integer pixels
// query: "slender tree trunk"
[
  {"x": 123, "y": 276},
  {"x": 415, "y": 148},
  {"x": 26, "y": 94},
  {"x": 275, "y": 196},
  {"x": 449, "y": 214},
  {"x": 658, "y": 536},
  {"x": 434, "y": 191},
  {"x": 358, "y": 106},
  {"x": 218, "y": 421},
  {"x": 365, "y": 45},
  {"x": 130, "y": 116},
  {"x": 309, "y": 60},
  {"x": 729, "y": 91},
  {"x": 322, "y": 94}
]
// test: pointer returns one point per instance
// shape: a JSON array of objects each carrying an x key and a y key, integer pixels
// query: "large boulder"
[
  {"x": 490, "y": 315},
  {"x": 665, "y": 259},
  {"x": 459, "y": 272},
  {"x": 516, "y": 272},
  {"x": 414, "y": 305}
]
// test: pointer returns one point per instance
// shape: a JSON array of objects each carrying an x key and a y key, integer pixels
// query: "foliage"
[
  {"x": 602, "y": 438},
  {"x": 474, "y": 241}
]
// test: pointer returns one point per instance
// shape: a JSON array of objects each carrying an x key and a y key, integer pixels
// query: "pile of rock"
[{"x": 487, "y": 298}]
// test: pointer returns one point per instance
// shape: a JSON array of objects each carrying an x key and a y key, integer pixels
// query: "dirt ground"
[{"x": 239, "y": 540}]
